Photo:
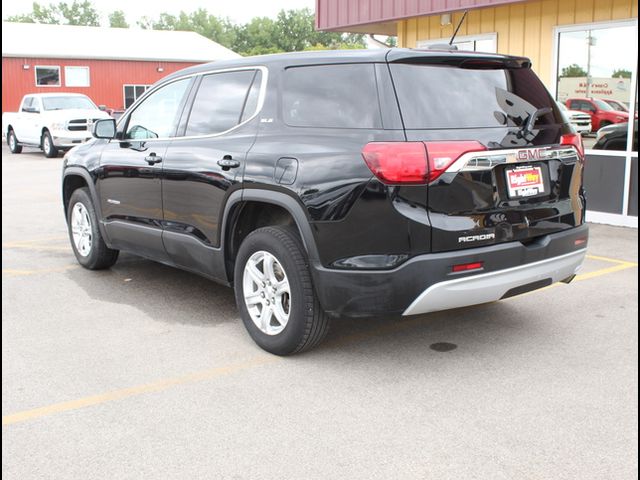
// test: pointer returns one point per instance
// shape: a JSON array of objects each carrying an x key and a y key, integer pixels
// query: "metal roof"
[
  {"x": 379, "y": 16},
  {"x": 101, "y": 43}
]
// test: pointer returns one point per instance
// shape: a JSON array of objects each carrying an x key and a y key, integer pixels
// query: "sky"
[
  {"x": 239, "y": 11},
  {"x": 609, "y": 50}
]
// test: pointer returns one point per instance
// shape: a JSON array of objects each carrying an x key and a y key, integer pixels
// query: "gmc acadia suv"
[{"x": 351, "y": 183}]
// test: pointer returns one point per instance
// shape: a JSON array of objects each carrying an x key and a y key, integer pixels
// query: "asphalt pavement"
[{"x": 146, "y": 372}]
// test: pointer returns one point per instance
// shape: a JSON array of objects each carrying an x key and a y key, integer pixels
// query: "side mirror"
[
  {"x": 102, "y": 108},
  {"x": 30, "y": 110},
  {"x": 104, "y": 128}
]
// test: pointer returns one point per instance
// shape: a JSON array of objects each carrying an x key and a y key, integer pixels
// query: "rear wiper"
[{"x": 533, "y": 118}]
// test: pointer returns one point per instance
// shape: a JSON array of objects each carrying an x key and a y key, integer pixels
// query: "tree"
[
  {"x": 621, "y": 73},
  {"x": 75, "y": 13},
  {"x": 573, "y": 70},
  {"x": 118, "y": 20}
]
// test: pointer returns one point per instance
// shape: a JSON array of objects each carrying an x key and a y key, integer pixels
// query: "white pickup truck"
[{"x": 51, "y": 122}]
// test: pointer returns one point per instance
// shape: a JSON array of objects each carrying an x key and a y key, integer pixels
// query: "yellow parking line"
[
  {"x": 605, "y": 271},
  {"x": 612, "y": 260},
  {"x": 262, "y": 360},
  {"x": 132, "y": 391},
  {"x": 12, "y": 272}
]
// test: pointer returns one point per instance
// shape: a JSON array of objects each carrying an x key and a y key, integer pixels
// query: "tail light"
[
  {"x": 575, "y": 140},
  {"x": 414, "y": 163}
]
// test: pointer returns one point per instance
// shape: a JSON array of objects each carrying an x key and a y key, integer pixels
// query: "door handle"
[
  {"x": 152, "y": 159},
  {"x": 227, "y": 162}
]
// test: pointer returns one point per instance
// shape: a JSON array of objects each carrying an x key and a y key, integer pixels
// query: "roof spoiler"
[{"x": 443, "y": 46}]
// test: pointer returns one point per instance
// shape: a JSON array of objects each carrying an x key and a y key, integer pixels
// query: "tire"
[
  {"x": 307, "y": 324},
  {"x": 84, "y": 233},
  {"x": 49, "y": 149},
  {"x": 12, "y": 141}
]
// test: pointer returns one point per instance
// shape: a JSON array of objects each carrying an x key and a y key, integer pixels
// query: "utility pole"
[{"x": 590, "y": 42}]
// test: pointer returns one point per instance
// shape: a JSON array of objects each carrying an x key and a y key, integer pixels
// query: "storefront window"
[{"x": 594, "y": 79}]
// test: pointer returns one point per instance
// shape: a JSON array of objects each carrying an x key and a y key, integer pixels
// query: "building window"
[
  {"x": 132, "y": 93},
  {"x": 76, "y": 76},
  {"x": 487, "y": 43},
  {"x": 47, "y": 76}
]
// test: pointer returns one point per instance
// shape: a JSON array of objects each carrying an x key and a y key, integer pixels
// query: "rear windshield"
[
  {"x": 333, "y": 96},
  {"x": 452, "y": 97}
]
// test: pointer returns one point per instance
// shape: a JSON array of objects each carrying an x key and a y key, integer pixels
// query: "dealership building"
[
  {"x": 579, "y": 48},
  {"x": 113, "y": 66}
]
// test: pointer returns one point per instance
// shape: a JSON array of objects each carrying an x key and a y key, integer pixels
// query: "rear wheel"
[
  {"x": 274, "y": 292},
  {"x": 12, "y": 140},
  {"x": 49, "y": 149},
  {"x": 84, "y": 233}
]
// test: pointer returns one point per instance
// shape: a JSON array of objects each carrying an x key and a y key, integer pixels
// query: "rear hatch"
[{"x": 504, "y": 165}]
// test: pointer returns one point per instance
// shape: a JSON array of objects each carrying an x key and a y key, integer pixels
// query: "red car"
[{"x": 601, "y": 113}]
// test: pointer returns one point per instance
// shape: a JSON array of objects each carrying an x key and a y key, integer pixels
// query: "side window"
[
  {"x": 27, "y": 104},
  {"x": 219, "y": 102},
  {"x": 156, "y": 116},
  {"x": 251, "y": 105},
  {"x": 334, "y": 96},
  {"x": 574, "y": 105}
]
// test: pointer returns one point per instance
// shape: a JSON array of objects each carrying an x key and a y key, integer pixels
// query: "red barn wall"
[{"x": 107, "y": 78}]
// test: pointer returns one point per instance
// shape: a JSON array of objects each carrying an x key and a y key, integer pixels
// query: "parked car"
[
  {"x": 51, "y": 122},
  {"x": 601, "y": 113},
  {"x": 616, "y": 105},
  {"x": 581, "y": 121},
  {"x": 614, "y": 137},
  {"x": 315, "y": 199}
]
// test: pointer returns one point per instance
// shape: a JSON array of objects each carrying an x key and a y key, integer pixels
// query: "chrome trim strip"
[
  {"x": 492, "y": 286},
  {"x": 487, "y": 159}
]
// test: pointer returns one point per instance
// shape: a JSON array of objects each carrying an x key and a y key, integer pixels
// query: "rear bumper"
[
  {"x": 489, "y": 287},
  {"x": 426, "y": 283}
]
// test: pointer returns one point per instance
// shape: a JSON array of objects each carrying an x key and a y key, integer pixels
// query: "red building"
[{"x": 113, "y": 66}]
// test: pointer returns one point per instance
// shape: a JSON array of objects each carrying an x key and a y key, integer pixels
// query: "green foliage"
[
  {"x": 75, "y": 13},
  {"x": 118, "y": 20},
  {"x": 573, "y": 70},
  {"x": 292, "y": 30},
  {"x": 621, "y": 73}
]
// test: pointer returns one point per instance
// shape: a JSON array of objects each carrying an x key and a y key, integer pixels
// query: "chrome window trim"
[
  {"x": 151, "y": 91},
  {"x": 510, "y": 156}
]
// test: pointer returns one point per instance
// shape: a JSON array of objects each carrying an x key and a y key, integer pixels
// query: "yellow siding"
[{"x": 522, "y": 28}]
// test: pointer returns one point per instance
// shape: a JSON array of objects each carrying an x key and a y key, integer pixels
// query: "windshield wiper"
[{"x": 533, "y": 118}]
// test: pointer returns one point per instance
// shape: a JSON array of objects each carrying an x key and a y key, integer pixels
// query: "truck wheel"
[
  {"x": 274, "y": 292},
  {"x": 86, "y": 240},
  {"x": 12, "y": 141},
  {"x": 49, "y": 149}
]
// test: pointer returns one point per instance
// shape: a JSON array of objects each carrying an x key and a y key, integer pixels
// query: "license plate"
[{"x": 525, "y": 182}]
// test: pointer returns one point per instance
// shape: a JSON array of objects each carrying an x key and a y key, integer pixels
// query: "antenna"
[{"x": 458, "y": 27}]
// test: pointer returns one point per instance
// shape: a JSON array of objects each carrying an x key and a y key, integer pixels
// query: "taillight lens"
[
  {"x": 575, "y": 140},
  {"x": 443, "y": 154},
  {"x": 414, "y": 163},
  {"x": 397, "y": 162}
]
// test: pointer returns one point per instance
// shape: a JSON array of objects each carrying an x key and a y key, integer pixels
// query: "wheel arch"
[
  {"x": 276, "y": 203},
  {"x": 74, "y": 178}
]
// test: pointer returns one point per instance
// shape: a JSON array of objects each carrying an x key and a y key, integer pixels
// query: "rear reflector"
[
  {"x": 575, "y": 140},
  {"x": 465, "y": 267},
  {"x": 414, "y": 163},
  {"x": 580, "y": 241}
]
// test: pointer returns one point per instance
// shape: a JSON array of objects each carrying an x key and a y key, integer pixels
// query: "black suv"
[{"x": 325, "y": 184}]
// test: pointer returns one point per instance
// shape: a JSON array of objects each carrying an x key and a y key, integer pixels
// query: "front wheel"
[
  {"x": 12, "y": 140},
  {"x": 274, "y": 292},
  {"x": 49, "y": 149},
  {"x": 84, "y": 233}
]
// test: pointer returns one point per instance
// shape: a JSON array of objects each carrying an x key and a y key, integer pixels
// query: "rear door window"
[
  {"x": 220, "y": 101},
  {"x": 433, "y": 97},
  {"x": 331, "y": 96}
]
